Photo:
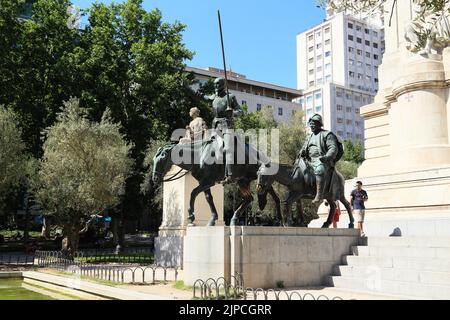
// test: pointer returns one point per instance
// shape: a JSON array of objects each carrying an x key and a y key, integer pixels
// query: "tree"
[
  {"x": 131, "y": 62},
  {"x": 353, "y": 152},
  {"x": 36, "y": 74},
  {"x": 14, "y": 163},
  {"x": 82, "y": 171}
]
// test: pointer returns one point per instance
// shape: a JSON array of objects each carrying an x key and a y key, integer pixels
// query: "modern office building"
[
  {"x": 337, "y": 70},
  {"x": 256, "y": 95}
]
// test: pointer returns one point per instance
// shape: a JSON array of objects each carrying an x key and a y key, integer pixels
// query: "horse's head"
[{"x": 162, "y": 162}]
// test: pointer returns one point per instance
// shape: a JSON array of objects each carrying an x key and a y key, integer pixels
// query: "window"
[
  {"x": 358, "y": 137},
  {"x": 258, "y": 107},
  {"x": 319, "y": 109},
  {"x": 311, "y": 37},
  {"x": 367, "y": 54},
  {"x": 351, "y": 62},
  {"x": 348, "y": 96},
  {"x": 318, "y": 96},
  {"x": 328, "y": 66},
  {"x": 327, "y": 42},
  {"x": 375, "y": 34},
  {"x": 319, "y": 69},
  {"x": 376, "y": 80},
  {"x": 309, "y": 100},
  {"x": 340, "y": 120},
  {"x": 357, "y": 110},
  {"x": 358, "y": 28},
  {"x": 350, "y": 49},
  {"x": 359, "y": 52},
  {"x": 311, "y": 60},
  {"x": 244, "y": 102},
  {"x": 367, "y": 43},
  {"x": 328, "y": 79},
  {"x": 309, "y": 112},
  {"x": 359, "y": 40},
  {"x": 351, "y": 74},
  {"x": 375, "y": 56},
  {"x": 339, "y": 107},
  {"x": 319, "y": 57},
  {"x": 340, "y": 133},
  {"x": 280, "y": 111},
  {"x": 318, "y": 34},
  {"x": 357, "y": 123},
  {"x": 359, "y": 64},
  {"x": 368, "y": 66},
  {"x": 319, "y": 45},
  {"x": 349, "y": 135},
  {"x": 350, "y": 25},
  {"x": 311, "y": 49},
  {"x": 360, "y": 76},
  {"x": 366, "y": 31},
  {"x": 311, "y": 72},
  {"x": 338, "y": 93},
  {"x": 358, "y": 98},
  {"x": 368, "y": 78},
  {"x": 328, "y": 54},
  {"x": 349, "y": 122},
  {"x": 348, "y": 109},
  {"x": 350, "y": 37},
  {"x": 319, "y": 81},
  {"x": 327, "y": 30},
  {"x": 375, "y": 45},
  {"x": 302, "y": 101}
]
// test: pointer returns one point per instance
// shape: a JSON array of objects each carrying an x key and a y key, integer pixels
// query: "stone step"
[
  {"x": 402, "y": 288},
  {"x": 428, "y": 242},
  {"x": 401, "y": 251},
  {"x": 393, "y": 274},
  {"x": 416, "y": 263}
]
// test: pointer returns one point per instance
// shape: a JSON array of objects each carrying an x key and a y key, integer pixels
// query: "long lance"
[{"x": 224, "y": 62}]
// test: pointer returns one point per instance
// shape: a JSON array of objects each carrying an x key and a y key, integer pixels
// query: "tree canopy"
[{"x": 83, "y": 168}]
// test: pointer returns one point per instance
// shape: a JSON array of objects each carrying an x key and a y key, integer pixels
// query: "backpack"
[{"x": 340, "y": 148}]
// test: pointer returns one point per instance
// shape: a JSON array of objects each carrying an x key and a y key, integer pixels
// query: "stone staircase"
[{"x": 408, "y": 267}]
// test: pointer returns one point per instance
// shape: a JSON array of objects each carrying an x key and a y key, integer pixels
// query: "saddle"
[{"x": 310, "y": 177}]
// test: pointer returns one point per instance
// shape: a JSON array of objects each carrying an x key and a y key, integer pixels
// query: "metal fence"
[
  {"x": 16, "y": 259},
  {"x": 220, "y": 289},
  {"x": 120, "y": 273}
]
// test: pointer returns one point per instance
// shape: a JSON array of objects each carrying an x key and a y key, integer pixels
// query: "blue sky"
[{"x": 259, "y": 35}]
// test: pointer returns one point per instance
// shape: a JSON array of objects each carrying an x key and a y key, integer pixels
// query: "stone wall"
[{"x": 265, "y": 256}]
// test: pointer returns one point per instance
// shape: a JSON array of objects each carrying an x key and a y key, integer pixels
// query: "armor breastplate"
[{"x": 220, "y": 107}]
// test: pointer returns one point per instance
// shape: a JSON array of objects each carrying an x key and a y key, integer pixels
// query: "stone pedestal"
[
  {"x": 169, "y": 243},
  {"x": 265, "y": 256}
]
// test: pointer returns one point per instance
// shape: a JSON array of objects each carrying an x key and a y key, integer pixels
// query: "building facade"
[
  {"x": 337, "y": 70},
  {"x": 256, "y": 95}
]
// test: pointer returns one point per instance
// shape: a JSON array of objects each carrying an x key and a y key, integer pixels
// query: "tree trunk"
[
  {"x": 70, "y": 241},
  {"x": 45, "y": 232},
  {"x": 118, "y": 234}
]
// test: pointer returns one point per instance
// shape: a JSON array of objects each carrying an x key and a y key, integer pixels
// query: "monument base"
[
  {"x": 265, "y": 257},
  {"x": 169, "y": 247},
  {"x": 177, "y": 195},
  {"x": 416, "y": 202}
]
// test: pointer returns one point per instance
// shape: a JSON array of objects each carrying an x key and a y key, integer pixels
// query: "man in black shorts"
[{"x": 357, "y": 199}]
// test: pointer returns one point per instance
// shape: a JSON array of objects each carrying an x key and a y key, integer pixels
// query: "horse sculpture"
[
  {"x": 300, "y": 181},
  {"x": 208, "y": 172}
]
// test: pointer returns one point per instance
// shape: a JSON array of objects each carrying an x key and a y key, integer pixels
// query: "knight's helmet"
[{"x": 316, "y": 118}]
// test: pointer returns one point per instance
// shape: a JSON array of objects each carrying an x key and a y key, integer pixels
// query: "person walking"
[{"x": 357, "y": 199}]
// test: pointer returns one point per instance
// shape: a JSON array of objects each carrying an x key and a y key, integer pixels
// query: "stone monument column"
[
  {"x": 407, "y": 131},
  {"x": 176, "y": 194}
]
